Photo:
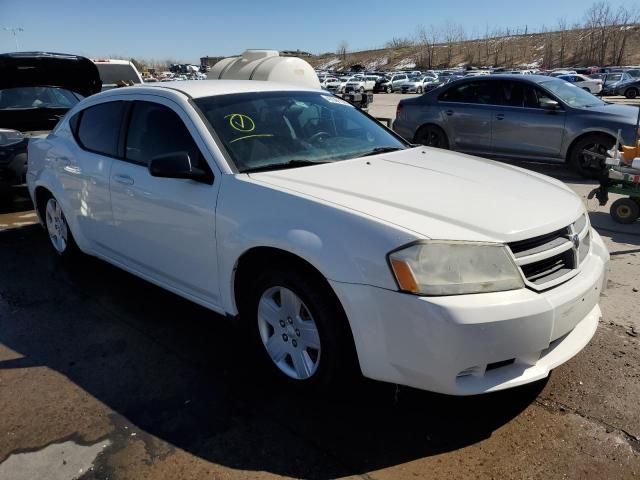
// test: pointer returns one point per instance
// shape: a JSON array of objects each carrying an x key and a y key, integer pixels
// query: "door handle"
[
  {"x": 123, "y": 179},
  {"x": 500, "y": 116},
  {"x": 449, "y": 112}
]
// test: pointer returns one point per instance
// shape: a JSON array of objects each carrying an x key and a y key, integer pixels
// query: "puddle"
[{"x": 58, "y": 461}]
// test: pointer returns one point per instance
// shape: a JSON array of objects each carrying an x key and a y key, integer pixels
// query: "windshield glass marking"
[
  {"x": 252, "y": 136},
  {"x": 240, "y": 122}
]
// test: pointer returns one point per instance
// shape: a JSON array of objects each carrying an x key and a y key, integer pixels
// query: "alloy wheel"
[
  {"x": 56, "y": 226},
  {"x": 289, "y": 333},
  {"x": 592, "y": 156}
]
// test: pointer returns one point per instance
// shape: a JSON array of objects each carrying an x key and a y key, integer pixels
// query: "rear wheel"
[
  {"x": 389, "y": 89},
  {"x": 588, "y": 154},
  {"x": 361, "y": 89},
  {"x": 631, "y": 93},
  {"x": 58, "y": 229},
  {"x": 432, "y": 136},
  {"x": 625, "y": 210}
]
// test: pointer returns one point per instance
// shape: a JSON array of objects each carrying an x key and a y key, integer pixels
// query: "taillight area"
[{"x": 398, "y": 110}]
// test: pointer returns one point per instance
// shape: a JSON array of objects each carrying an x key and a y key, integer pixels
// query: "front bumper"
[{"x": 471, "y": 344}]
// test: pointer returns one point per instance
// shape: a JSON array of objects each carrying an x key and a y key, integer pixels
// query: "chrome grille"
[{"x": 551, "y": 259}]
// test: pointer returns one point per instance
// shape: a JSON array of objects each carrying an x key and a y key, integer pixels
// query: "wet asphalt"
[{"x": 105, "y": 376}]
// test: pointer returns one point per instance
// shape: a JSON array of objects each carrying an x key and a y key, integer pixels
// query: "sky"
[{"x": 188, "y": 30}]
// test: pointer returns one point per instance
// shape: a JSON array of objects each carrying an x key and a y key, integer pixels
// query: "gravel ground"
[{"x": 103, "y": 375}]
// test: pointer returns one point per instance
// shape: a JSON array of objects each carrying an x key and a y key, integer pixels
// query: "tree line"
[{"x": 601, "y": 38}]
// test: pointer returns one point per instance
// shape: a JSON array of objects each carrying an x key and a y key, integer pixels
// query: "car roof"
[
  {"x": 508, "y": 76},
  {"x": 208, "y": 88}
]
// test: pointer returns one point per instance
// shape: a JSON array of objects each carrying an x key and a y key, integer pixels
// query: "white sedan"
[
  {"x": 334, "y": 243},
  {"x": 591, "y": 85}
]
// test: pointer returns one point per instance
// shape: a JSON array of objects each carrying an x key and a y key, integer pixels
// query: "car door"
[
  {"x": 166, "y": 226},
  {"x": 398, "y": 80},
  {"x": 520, "y": 127},
  {"x": 84, "y": 170},
  {"x": 466, "y": 109}
]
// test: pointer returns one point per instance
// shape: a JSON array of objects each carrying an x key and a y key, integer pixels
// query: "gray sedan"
[{"x": 531, "y": 117}]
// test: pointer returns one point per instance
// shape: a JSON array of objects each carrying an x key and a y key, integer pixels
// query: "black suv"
[{"x": 36, "y": 90}]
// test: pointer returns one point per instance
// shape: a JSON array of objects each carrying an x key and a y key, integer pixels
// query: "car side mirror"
[
  {"x": 548, "y": 104},
  {"x": 178, "y": 165}
]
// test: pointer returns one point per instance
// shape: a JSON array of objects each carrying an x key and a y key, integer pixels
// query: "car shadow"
[
  {"x": 17, "y": 201},
  {"x": 187, "y": 376},
  {"x": 617, "y": 232}
]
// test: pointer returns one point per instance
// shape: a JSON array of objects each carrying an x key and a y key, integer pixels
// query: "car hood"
[
  {"x": 628, "y": 112},
  {"x": 439, "y": 194},
  {"x": 39, "y": 69}
]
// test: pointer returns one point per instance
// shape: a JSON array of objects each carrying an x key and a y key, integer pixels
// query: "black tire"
[
  {"x": 585, "y": 165},
  {"x": 389, "y": 89},
  {"x": 419, "y": 90},
  {"x": 631, "y": 93},
  {"x": 625, "y": 210},
  {"x": 432, "y": 136},
  {"x": 70, "y": 250},
  {"x": 586, "y": 89},
  {"x": 337, "y": 361},
  {"x": 361, "y": 89}
]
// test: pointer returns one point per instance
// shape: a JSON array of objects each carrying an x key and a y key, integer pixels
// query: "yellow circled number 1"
[{"x": 241, "y": 123}]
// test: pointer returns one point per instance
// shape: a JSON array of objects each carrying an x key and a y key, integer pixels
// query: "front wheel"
[
  {"x": 300, "y": 329},
  {"x": 625, "y": 210},
  {"x": 588, "y": 154},
  {"x": 361, "y": 89},
  {"x": 419, "y": 90},
  {"x": 631, "y": 93},
  {"x": 389, "y": 89}
]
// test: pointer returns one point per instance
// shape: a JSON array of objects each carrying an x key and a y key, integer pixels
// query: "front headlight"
[
  {"x": 454, "y": 268},
  {"x": 10, "y": 137}
]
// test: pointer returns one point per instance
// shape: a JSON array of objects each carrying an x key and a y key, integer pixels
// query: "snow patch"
[{"x": 328, "y": 64}]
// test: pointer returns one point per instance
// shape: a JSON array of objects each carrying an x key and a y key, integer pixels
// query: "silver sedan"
[{"x": 508, "y": 116}]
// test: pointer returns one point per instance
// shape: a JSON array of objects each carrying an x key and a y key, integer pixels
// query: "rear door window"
[
  {"x": 99, "y": 127},
  {"x": 482, "y": 92}
]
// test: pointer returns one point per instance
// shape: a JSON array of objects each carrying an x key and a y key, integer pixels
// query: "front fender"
[{"x": 342, "y": 245}]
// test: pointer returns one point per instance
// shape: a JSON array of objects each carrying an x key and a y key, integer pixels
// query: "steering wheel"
[{"x": 317, "y": 136}]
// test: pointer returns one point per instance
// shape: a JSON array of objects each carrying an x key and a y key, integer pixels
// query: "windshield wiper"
[
  {"x": 282, "y": 166},
  {"x": 378, "y": 150}
]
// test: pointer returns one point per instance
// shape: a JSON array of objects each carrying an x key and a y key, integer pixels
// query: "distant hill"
[{"x": 598, "y": 46}]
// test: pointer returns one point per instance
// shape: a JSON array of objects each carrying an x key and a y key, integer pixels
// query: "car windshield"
[
  {"x": 570, "y": 94},
  {"x": 21, "y": 98},
  {"x": 276, "y": 129}
]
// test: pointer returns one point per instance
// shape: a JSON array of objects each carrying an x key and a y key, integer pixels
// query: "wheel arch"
[
  {"x": 569, "y": 151},
  {"x": 255, "y": 259}
]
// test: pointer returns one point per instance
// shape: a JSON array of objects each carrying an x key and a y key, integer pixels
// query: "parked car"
[
  {"x": 630, "y": 89},
  {"x": 36, "y": 90},
  {"x": 528, "y": 116},
  {"x": 393, "y": 84},
  {"x": 115, "y": 72},
  {"x": 336, "y": 245},
  {"x": 360, "y": 84},
  {"x": 611, "y": 82},
  {"x": 591, "y": 85},
  {"x": 330, "y": 83},
  {"x": 415, "y": 84}
]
